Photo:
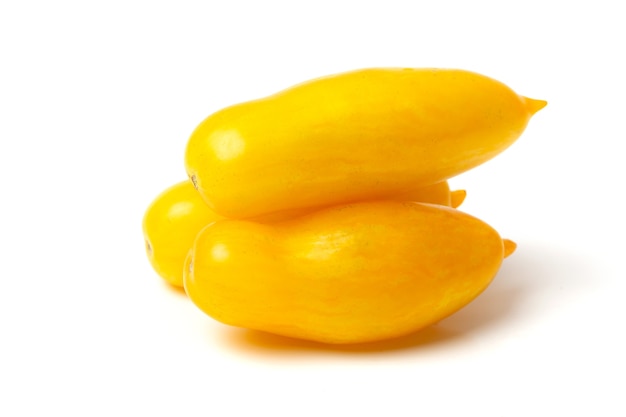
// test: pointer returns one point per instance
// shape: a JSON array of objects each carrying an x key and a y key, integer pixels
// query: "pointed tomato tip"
[
  {"x": 457, "y": 197},
  {"x": 533, "y": 105},
  {"x": 509, "y": 247}
]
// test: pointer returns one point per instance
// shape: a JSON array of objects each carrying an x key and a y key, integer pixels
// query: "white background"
[{"x": 97, "y": 101}]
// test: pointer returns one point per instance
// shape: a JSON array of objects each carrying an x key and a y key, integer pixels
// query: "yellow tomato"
[
  {"x": 363, "y": 135},
  {"x": 170, "y": 226},
  {"x": 345, "y": 274}
]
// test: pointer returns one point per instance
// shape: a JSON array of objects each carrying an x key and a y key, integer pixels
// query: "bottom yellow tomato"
[{"x": 347, "y": 274}]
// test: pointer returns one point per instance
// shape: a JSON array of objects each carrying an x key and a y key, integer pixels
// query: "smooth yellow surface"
[
  {"x": 346, "y": 274},
  {"x": 173, "y": 220},
  {"x": 170, "y": 226},
  {"x": 363, "y": 135}
]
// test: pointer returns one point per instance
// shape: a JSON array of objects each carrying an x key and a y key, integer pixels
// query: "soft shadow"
[
  {"x": 173, "y": 289},
  {"x": 531, "y": 270},
  {"x": 527, "y": 278},
  {"x": 254, "y": 341}
]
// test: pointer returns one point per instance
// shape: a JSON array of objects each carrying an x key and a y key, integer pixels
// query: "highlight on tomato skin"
[{"x": 346, "y": 274}]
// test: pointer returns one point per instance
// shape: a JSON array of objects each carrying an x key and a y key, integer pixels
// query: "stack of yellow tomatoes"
[{"x": 323, "y": 212}]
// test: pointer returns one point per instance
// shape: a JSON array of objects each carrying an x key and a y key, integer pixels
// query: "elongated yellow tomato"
[
  {"x": 170, "y": 226},
  {"x": 173, "y": 220},
  {"x": 346, "y": 274},
  {"x": 363, "y": 135}
]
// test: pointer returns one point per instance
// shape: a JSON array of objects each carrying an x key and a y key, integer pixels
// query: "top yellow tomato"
[{"x": 362, "y": 135}]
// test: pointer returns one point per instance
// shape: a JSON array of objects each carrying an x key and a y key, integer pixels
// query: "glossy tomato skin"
[
  {"x": 346, "y": 274},
  {"x": 170, "y": 225},
  {"x": 364, "y": 135}
]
